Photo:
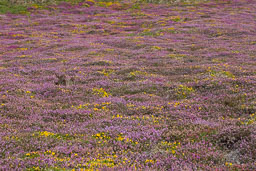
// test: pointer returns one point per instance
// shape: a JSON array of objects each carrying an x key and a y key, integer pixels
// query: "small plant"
[
  {"x": 100, "y": 92},
  {"x": 183, "y": 91},
  {"x": 231, "y": 136}
]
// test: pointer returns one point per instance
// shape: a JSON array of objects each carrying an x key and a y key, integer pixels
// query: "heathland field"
[{"x": 102, "y": 85}]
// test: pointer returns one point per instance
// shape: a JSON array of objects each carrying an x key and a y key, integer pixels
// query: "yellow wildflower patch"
[
  {"x": 106, "y": 72},
  {"x": 46, "y": 134},
  {"x": 184, "y": 91},
  {"x": 156, "y": 48},
  {"x": 25, "y": 56},
  {"x": 101, "y": 92}
]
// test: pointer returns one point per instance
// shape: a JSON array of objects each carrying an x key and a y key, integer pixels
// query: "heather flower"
[{"x": 123, "y": 86}]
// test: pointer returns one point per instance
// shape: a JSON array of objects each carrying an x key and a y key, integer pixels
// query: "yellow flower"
[
  {"x": 228, "y": 164},
  {"x": 149, "y": 161},
  {"x": 156, "y": 47},
  {"x": 120, "y": 138},
  {"x": 46, "y": 133},
  {"x": 101, "y": 92}
]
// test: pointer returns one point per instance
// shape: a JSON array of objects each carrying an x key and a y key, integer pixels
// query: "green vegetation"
[
  {"x": 21, "y": 6},
  {"x": 8, "y": 7}
]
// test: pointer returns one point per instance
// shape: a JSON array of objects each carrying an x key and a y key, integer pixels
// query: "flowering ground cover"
[{"x": 122, "y": 86}]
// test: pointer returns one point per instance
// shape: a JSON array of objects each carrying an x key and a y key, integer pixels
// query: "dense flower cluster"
[{"x": 122, "y": 86}]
